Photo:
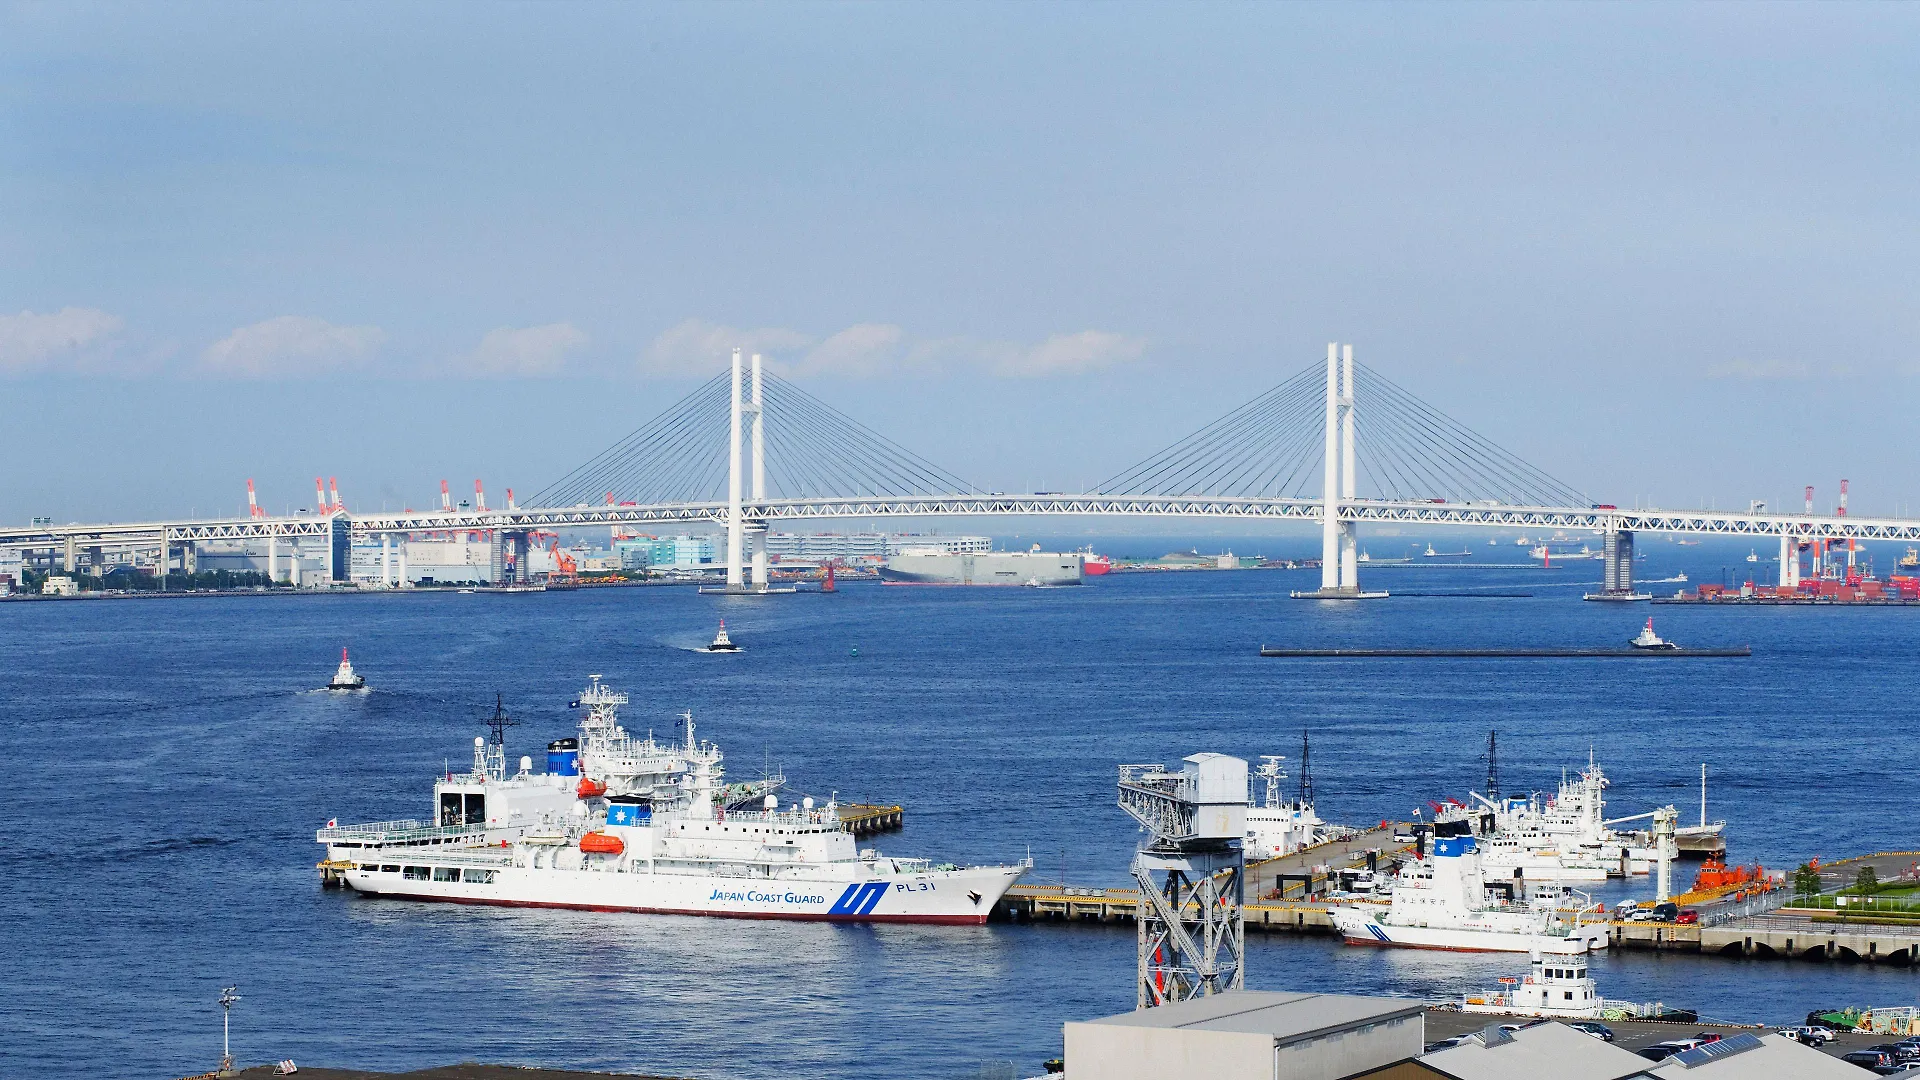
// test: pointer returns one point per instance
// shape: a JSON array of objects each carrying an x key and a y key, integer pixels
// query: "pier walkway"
[
  {"x": 1305, "y": 872},
  {"x": 862, "y": 819}
]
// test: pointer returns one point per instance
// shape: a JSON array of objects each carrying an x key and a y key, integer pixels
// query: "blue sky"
[{"x": 1664, "y": 252}]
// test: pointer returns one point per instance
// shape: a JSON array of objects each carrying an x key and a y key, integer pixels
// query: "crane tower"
[{"x": 1190, "y": 868}]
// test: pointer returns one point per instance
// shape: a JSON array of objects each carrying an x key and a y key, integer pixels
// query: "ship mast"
[
  {"x": 1493, "y": 768},
  {"x": 1306, "y": 773}
]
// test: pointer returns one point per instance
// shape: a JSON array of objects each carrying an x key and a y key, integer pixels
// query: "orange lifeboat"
[
  {"x": 589, "y": 787},
  {"x": 599, "y": 843}
]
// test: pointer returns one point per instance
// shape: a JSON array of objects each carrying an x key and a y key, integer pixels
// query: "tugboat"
[
  {"x": 1647, "y": 639},
  {"x": 344, "y": 678},
  {"x": 721, "y": 643}
]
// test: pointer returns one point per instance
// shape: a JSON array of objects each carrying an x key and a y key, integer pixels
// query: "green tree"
[
  {"x": 1866, "y": 882},
  {"x": 1806, "y": 881}
]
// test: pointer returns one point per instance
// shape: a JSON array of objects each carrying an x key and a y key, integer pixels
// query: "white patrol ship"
[
  {"x": 646, "y": 828},
  {"x": 1443, "y": 901}
]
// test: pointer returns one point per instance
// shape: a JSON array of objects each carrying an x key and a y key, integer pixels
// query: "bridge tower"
[
  {"x": 1339, "y": 540},
  {"x": 746, "y": 479},
  {"x": 1189, "y": 925}
]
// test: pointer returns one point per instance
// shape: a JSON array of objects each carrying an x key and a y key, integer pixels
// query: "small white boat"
[
  {"x": 1752, "y": 555},
  {"x": 1557, "y": 986},
  {"x": 344, "y": 678},
  {"x": 721, "y": 642},
  {"x": 1647, "y": 639}
]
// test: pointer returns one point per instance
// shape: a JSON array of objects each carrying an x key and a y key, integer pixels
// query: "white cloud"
[
  {"x": 1071, "y": 354},
  {"x": 72, "y": 335},
  {"x": 865, "y": 350},
  {"x": 698, "y": 347},
  {"x": 532, "y": 350},
  {"x": 292, "y": 345},
  {"x": 861, "y": 350}
]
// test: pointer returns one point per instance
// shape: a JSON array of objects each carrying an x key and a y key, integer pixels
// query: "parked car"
[
  {"x": 1902, "y": 1052},
  {"x": 1688, "y": 917},
  {"x": 1702, "y": 1037},
  {"x": 1597, "y": 1030},
  {"x": 1444, "y": 1043},
  {"x": 1658, "y": 1051},
  {"x": 1810, "y": 1034},
  {"x": 1666, "y": 911},
  {"x": 1876, "y": 1060}
]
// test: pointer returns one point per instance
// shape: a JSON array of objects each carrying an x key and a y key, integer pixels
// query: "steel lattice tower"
[{"x": 1190, "y": 926}]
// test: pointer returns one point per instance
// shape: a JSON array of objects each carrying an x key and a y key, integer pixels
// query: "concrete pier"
[{"x": 862, "y": 819}]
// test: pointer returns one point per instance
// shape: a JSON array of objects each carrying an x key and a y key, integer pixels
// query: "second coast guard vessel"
[
  {"x": 646, "y": 828},
  {"x": 1444, "y": 901}
]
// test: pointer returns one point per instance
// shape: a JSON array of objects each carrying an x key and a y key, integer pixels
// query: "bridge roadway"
[{"x": 764, "y": 513}]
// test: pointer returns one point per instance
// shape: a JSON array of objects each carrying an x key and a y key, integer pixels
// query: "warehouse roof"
[
  {"x": 1749, "y": 1057},
  {"x": 1533, "y": 1052},
  {"x": 1285, "y": 1016}
]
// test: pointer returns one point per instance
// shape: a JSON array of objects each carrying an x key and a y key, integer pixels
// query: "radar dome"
[
  {"x": 478, "y": 741},
  {"x": 772, "y": 803},
  {"x": 807, "y": 802},
  {"x": 526, "y": 764}
]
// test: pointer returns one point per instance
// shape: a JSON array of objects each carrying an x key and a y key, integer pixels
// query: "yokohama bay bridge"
[{"x": 1337, "y": 447}]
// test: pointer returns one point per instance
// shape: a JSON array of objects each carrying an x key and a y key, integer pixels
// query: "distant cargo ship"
[
  {"x": 1093, "y": 565},
  {"x": 924, "y": 566}
]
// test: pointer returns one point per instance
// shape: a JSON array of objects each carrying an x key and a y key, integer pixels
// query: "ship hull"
[
  {"x": 985, "y": 568},
  {"x": 1362, "y": 929},
  {"x": 958, "y": 897}
]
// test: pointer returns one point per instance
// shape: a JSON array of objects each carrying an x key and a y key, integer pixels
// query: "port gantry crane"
[{"x": 1190, "y": 926}]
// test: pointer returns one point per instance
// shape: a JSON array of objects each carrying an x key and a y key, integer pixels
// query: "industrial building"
[
  {"x": 1249, "y": 1035},
  {"x": 1264, "y": 1035}
]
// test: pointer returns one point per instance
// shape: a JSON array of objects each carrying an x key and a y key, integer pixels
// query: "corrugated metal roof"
[
  {"x": 1532, "y": 1053},
  {"x": 1774, "y": 1057},
  {"x": 1287, "y": 1017}
]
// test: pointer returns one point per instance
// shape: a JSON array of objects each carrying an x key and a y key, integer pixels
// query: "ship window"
[
  {"x": 369, "y": 866},
  {"x": 1569, "y": 995},
  {"x": 390, "y": 869},
  {"x": 478, "y": 877},
  {"x": 418, "y": 873},
  {"x": 446, "y": 873}
]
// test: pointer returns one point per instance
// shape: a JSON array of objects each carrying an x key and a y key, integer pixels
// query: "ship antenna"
[
  {"x": 1306, "y": 772},
  {"x": 499, "y": 722},
  {"x": 1493, "y": 767}
]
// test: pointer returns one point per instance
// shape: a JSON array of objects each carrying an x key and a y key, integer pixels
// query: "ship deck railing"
[
  {"x": 492, "y": 858},
  {"x": 392, "y": 832},
  {"x": 823, "y": 816}
]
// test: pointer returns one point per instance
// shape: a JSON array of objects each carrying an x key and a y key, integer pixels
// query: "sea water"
[{"x": 172, "y": 759}]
